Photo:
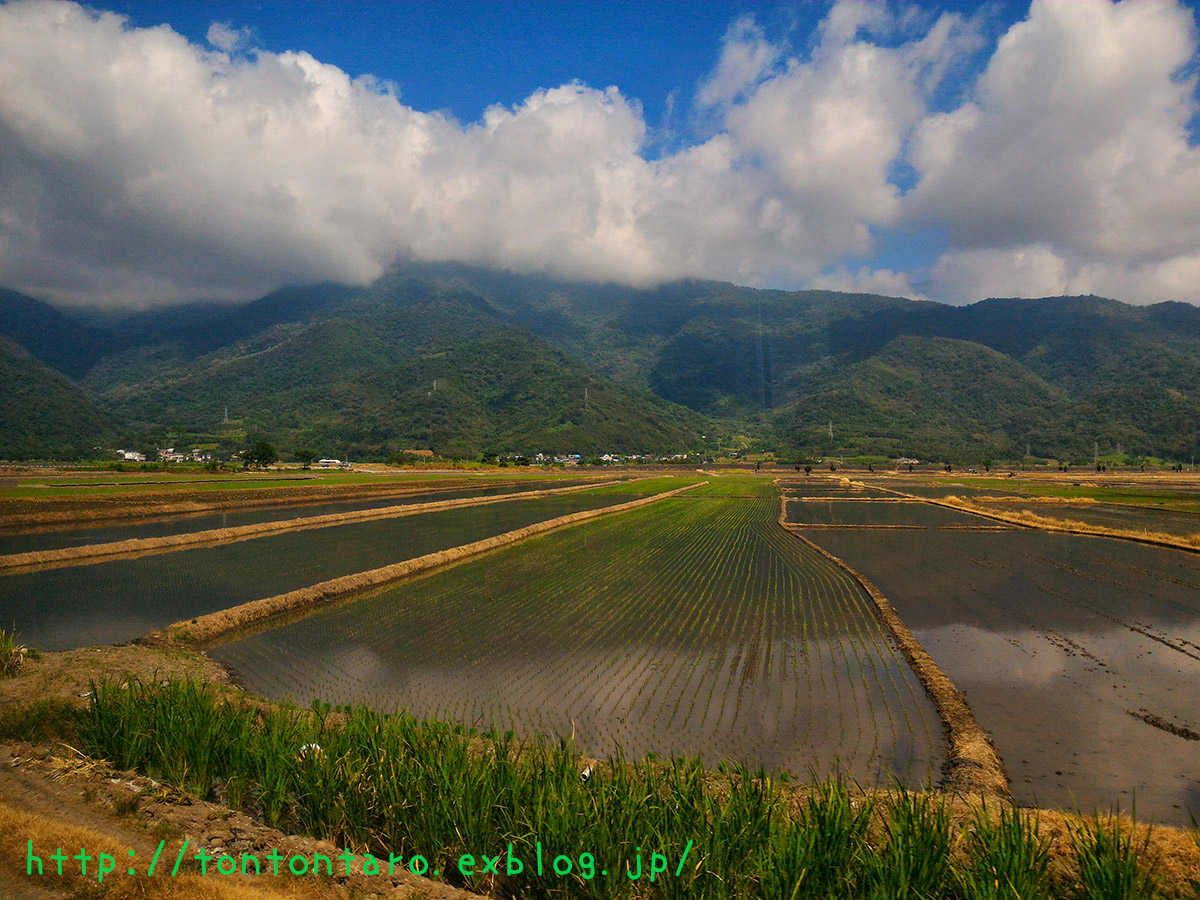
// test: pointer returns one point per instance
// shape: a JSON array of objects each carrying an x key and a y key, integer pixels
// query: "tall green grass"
[
  {"x": 1110, "y": 863},
  {"x": 12, "y": 654},
  {"x": 393, "y": 784},
  {"x": 1009, "y": 860}
]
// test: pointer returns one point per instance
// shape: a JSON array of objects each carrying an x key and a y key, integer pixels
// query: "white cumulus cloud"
[
  {"x": 1072, "y": 166},
  {"x": 137, "y": 167}
]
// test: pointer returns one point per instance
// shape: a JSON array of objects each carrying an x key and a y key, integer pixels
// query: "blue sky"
[
  {"x": 462, "y": 57},
  {"x": 465, "y": 57},
  {"x": 176, "y": 151}
]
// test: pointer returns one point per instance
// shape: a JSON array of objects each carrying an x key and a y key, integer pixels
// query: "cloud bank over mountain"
[{"x": 137, "y": 167}]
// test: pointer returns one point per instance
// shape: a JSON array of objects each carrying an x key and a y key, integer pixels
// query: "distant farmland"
[{"x": 697, "y": 625}]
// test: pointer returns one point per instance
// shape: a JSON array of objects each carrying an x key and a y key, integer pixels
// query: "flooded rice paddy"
[
  {"x": 14, "y": 541},
  {"x": 692, "y": 627},
  {"x": 1080, "y": 656},
  {"x": 106, "y": 602},
  {"x": 1111, "y": 515},
  {"x": 847, "y": 512}
]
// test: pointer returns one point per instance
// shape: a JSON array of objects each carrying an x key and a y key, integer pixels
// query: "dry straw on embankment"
[
  {"x": 987, "y": 509},
  {"x": 94, "y": 553},
  {"x": 61, "y": 513},
  {"x": 1071, "y": 526},
  {"x": 210, "y": 628},
  {"x": 972, "y": 763}
]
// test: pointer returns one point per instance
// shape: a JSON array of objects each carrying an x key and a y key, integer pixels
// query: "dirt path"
[{"x": 55, "y": 798}]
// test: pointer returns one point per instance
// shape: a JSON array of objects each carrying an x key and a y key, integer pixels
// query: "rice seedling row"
[{"x": 695, "y": 627}]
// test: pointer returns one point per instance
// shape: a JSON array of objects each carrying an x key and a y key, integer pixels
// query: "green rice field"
[{"x": 693, "y": 627}]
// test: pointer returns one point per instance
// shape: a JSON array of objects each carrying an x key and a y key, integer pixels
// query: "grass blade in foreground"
[{"x": 393, "y": 784}]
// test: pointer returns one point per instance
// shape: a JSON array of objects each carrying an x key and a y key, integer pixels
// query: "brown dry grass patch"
[{"x": 19, "y": 829}]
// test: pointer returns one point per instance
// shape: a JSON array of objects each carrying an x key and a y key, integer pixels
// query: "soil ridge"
[{"x": 972, "y": 764}]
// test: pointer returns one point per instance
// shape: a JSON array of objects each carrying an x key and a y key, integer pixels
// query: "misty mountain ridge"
[{"x": 467, "y": 360}]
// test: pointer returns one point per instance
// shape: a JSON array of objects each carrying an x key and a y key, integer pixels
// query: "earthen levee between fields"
[
  {"x": 86, "y": 554},
  {"x": 1025, "y": 519},
  {"x": 211, "y": 628},
  {"x": 972, "y": 763},
  {"x": 63, "y": 513}
]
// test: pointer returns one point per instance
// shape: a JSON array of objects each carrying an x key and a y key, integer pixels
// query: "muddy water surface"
[{"x": 1063, "y": 646}]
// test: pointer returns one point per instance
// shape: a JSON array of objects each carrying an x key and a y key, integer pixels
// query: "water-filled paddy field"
[
  {"x": 938, "y": 491},
  {"x": 15, "y": 541},
  {"x": 1110, "y": 515},
  {"x": 1075, "y": 654},
  {"x": 824, "y": 487},
  {"x": 880, "y": 512},
  {"x": 125, "y": 598},
  {"x": 695, "y": 626}
]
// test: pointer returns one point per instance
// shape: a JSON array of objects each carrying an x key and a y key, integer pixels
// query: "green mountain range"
[
  {"x": 468, "y": 361},
  {"x": 43, "y": 414}
]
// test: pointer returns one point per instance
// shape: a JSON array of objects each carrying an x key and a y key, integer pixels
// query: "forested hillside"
[{"x": 467, "y": 361}]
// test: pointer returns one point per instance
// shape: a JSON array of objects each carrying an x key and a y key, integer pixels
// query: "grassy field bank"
[{"x": 393, "y": 785}]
